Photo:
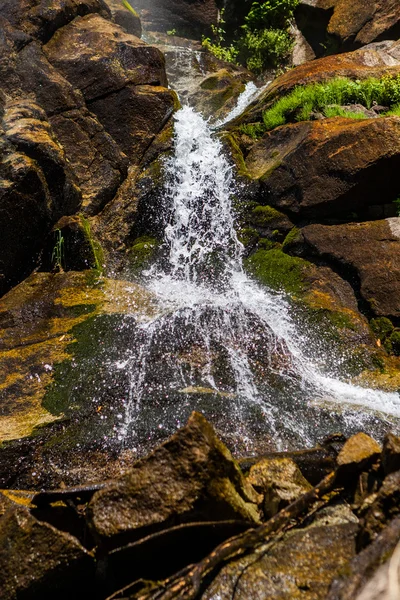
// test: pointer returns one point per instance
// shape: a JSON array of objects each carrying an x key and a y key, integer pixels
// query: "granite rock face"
[{"x": 80, "y": 122}]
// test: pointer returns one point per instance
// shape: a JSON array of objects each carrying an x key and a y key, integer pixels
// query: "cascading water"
[{"x": 221, "y": 343}]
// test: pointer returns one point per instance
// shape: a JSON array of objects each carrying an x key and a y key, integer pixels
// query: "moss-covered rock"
[{"x": 50, "y": 324}]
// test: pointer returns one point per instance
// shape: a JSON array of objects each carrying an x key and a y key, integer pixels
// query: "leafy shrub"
[
  {"x": 264, "y": 48},
  {"x": 264, "y": 40},
  {"x": 274, "y": 14}
]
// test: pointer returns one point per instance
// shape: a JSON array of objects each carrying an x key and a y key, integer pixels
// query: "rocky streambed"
[{"x": 188, "y": 521}]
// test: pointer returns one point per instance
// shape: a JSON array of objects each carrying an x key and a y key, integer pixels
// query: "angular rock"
[
  {"x": 300, "y": 566},
  {"x": 38, "y": 187},
  {"x": 391, "y": 453},
  {"x": 361, "y": 569},
  {"x": 361, "y": 22},
  {"x": 41, "y": 19},
  {"x": 38, "y": 561},
  {"x": 381, "y": 508},
  {"x": 280, "y": 481},
  {"x": 360, "y": 451},
  {"x": 330, "y": 167},
  {"x": 122, "y": 80},
  {"x": 363, "y": 251},
  {"x": 192, "y": 476},
  {"x": 125, "y": 18}
]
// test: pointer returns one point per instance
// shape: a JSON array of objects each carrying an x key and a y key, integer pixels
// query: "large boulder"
[
  {"x": 49, "y": 413},
  {"x": 121, "y": 78},
  {"x": 38, "y": 187},
  {"x": 191, "y": 476},
  {"x": 41, "y": 20},
  {"x": 362, "y": 21},
  {"x": 317, "y": 169},
  {"x": 369, "y": 251}
]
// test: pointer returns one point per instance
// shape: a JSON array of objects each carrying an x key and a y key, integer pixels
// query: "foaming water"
[
  {"x": 249, "y": 94},
  {"x": 220, "y": 342}
]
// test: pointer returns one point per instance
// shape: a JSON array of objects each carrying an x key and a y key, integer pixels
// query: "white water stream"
[{"x": 221, "y": 343}]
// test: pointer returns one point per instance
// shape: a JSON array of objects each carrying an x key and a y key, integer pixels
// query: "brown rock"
[
  {"x": 187, "y": 17},
  {"x": 121, "y": 79},
  {"x": 41, "y": 19},
  {"x": 324, "y": 168},
  {"x": 192, "y": 476},
  {"x": 38, "y": 561},
  {"x": 38, "y": 187},
  {"x": 363, "y": 21},
  {"x": 391, "y": 453},
  {"x": 359, "y": 451},
  {"x": 280, "y": 481},
  {"x": 125, "y": 18},
  {"x": 368, "y": 250},
  {"x": 300, "y": 566},
  {"x": 382, "y": 508}
]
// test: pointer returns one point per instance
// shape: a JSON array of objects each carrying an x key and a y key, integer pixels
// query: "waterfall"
[{"x": 221, "y": 343}]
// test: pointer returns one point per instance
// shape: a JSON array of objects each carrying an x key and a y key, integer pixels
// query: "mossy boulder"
[
  {"x": 323, "y": 303},
  {"x": 50, "y": 324}
]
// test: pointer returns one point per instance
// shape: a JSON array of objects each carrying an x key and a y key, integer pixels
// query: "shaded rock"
[
  {"x": 391, "y": 453},
  {"x": 93, "y": 155},
  {"x": 37, "y": 560},
  {"x": 79, "y": 250},
  {"x": 363, "y": 566},
  {"x": 301, "y": 565},
  {"x": 38, "y": 187},
  {"x": 364, "y": 250},
  {"x": 280, "y": 481},
  {"x": 121, "y": 79},
  {"x": 362, "y": 22},
  {"x": 191, "y": 476},
  {"x": 47, "y": 324},
  {"x": 41, "y": 19},
  {"x": 161, "y": 554},
  {"x": 187, "y": 17},
  {"x": 125, "y": 18},
  {"x": 359, "y": 452},
  {"x": 330, "y": 167},
  {"x": 381, "y": 508}
]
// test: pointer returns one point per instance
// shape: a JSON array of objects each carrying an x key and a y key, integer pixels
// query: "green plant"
[
  {"x": 339, "y": 111},
  {"x": 263, "y": 40},
  {"x": 57, "y": 256},
  {"x": 328, "y": 97},
  {"x": 171, "y": 32},
  {"x": 270, "y": 14},
  {"x": 126, "y": 4},
  {"x": 265, "y": 48}
]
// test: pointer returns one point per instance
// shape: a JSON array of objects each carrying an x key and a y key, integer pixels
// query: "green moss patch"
[{"x": 278, "y": 270}]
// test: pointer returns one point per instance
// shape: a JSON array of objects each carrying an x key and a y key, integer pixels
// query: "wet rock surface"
[
  {"x": 184, "y": 522},
  {"x": 60, "y": 134}
]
